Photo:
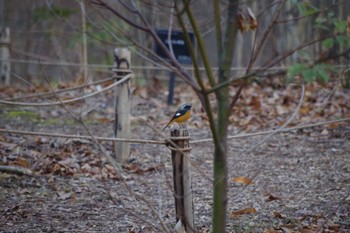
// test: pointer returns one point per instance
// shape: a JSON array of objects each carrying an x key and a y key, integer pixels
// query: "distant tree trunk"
[
  {"x": 287, "y": 36},
  {"x": 84, "y": 55},
  {"x": 5, "y": 65}
]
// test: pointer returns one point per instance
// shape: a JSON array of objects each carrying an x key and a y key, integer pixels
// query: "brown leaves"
[
  {"x": 243, "y": 211},
  {"x": 268, "y": 105},
  {"x": 88, "y": 163},
  {"x": 246, "y": 20},
  {"x": 270, "y": 197},
  {"x": 63, "y": 157},
  {"x": 242, "y": 180}
]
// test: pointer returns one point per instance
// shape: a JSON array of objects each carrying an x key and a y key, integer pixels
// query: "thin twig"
[{"x": 15, "y": 170}]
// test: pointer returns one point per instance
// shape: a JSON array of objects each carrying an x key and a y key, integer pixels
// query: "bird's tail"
[{"x": 167, "y": 125}]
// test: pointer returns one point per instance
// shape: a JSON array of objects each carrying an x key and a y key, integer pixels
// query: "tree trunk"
[
  {"x": 223, "y": 105},
  {"x": 220, "y": 188}
]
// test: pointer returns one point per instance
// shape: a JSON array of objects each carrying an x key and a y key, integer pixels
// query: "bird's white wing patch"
[{"x": 178, "y": 114}]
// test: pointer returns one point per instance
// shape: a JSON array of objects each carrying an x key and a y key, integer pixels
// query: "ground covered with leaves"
[{"x": 297, "y": 181}]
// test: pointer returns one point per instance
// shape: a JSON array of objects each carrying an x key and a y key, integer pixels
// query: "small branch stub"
[
  {"x": 182, "y": 179},
  {"x": 122, "y": 104}
]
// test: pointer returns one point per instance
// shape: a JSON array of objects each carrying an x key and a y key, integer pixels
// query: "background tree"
[
  {"x": 227, "y": 19},
  {"x": 302, "y": 34}
]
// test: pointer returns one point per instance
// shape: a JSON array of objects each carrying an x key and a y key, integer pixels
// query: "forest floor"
[{"x": 300, "y": 179}]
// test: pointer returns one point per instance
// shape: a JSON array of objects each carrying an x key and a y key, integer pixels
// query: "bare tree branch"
[
  {"x": 265, "y": 36},
  {"x": 117, "y": 13}
]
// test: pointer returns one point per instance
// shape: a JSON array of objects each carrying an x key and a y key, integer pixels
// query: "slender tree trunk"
[
  {"x": 220, "y": 163},
  {"x": 220, "y": 186},
  {"x": 225, "y": 55}
]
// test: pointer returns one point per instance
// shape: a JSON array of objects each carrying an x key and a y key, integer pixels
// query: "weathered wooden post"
[
  {"x": 122, "y": 104},
  {"x": 182, "y": 180},
  {"x": 5, "y": 65}
]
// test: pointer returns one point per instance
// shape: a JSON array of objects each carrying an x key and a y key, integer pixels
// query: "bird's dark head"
[{"x": 186, "y": 106}]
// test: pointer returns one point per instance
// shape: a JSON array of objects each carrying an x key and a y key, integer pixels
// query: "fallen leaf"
[
  {"x": 269, "y": 197},
  {"x": 277, "y": 215},
  {"x": 56, "y": 167},
  {"x": 304, "y": 110},
  {"x": 243, "y": 211},
  {"x": 242, "y": 180},
  {"x": 23, "y": 162},
  {"x": 255, "y": 103},
  {"x": 334, "y": 227}
]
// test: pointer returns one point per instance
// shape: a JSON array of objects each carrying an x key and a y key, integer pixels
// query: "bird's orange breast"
[{"x": 183, "y": 117}]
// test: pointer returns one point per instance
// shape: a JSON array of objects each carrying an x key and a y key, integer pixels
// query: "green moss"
[
  {"x": 34, "y": 117},
  {"x": 66, "y": 122},
  {"x": 22, "y": 114},
  {"x": 50, "y": 121}
]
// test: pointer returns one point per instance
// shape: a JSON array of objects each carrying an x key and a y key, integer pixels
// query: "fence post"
[
  {"x": 5, "y": 65},
  {"x": 122, "y": 104},
  {"x": 180, "y": 156}
]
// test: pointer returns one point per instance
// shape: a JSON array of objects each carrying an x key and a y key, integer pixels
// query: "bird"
[{"x": 181, "y": 115}]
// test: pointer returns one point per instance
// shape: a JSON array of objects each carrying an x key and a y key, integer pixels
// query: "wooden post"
[
  {"x": 182, "y": 180},
  {"x": 122, "y": 104},
  {"x": 5, "y": 65}
]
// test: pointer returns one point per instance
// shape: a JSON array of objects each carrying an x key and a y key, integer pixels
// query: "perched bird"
[{"x": 181, "y": 115}]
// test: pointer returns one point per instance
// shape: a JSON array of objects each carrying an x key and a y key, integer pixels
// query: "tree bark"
[{"x": 223, "y": 105}]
